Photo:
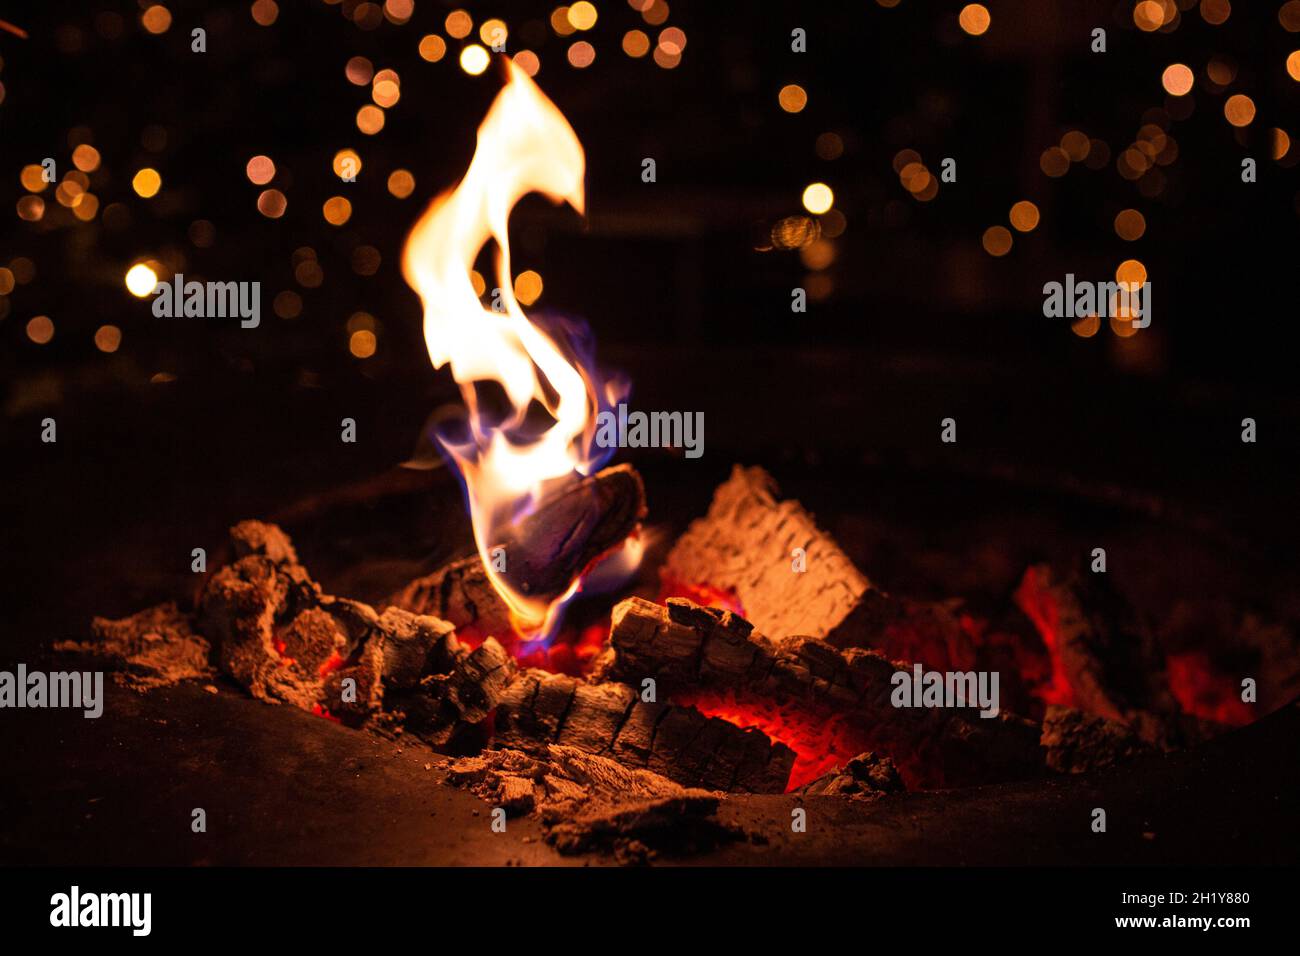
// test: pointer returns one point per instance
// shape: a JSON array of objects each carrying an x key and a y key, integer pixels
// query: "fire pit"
[{"x": 624, "y": 684}]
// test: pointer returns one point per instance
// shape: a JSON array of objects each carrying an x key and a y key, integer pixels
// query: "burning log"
[
  {"x": 588, "y": 802},
  {"x": 683, "y": 646},
  {"x": 746, "y": 544},
  {"x": 539, "y": 708},
  {"x": 544, "y": 553},
  {"x": 1102, "y": 653},
  {"x": 156, "y": 647}
]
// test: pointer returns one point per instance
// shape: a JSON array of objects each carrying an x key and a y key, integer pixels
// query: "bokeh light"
[
  {"x": 141, "y": 280},
  {"x": 818, "y": 198},
  {"x": 974, "y": 19}
]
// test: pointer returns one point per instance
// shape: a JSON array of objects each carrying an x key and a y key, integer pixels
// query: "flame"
[{"x": 524, "y": 145}]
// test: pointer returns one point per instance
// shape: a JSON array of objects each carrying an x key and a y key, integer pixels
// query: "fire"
[{"x": 543, "y": 369}]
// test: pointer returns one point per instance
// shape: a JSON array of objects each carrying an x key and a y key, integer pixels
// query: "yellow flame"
[{"x": 524, "y": 145}]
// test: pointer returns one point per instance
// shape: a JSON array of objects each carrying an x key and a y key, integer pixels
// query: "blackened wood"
[
  {"x": 1106, "y": 653},
  {"x": 680, "y": 743},
  {"x": 683, "y": 646},
  {"x": 543, "y": 554},
  {"x": 571, "y": 529}
]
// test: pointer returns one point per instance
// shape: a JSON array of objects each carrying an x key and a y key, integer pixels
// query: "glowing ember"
[
  {"x": 1037, "y": 604},
  {"x": 1205, "y": 692},
  {"x": 512, "y": 370},
  {"x": 820, "y": 739},
  {"x": 703, "y": 594}
]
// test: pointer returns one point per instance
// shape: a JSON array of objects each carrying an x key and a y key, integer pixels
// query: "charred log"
[
  {"x": 684, "y": 645},
  {"x": 1102, "y": 651},
  {"x": 610, "y": 719},
  {"x": 544, "y": 553}
]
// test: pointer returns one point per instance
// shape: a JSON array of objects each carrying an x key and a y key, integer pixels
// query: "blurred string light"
[
  {"x": 974, "y": 19},
  {"x": 1177, "y": 79},
  {"x": 1239, "y": 110},
  {"x": 1215, "y": 12},
  {"x": 146, "y": 183},
  {"x": 528, "y": 287},
  {"x": 401, "y": 183},
  {"x": 264, "y": 12},
  {"x": 818, "y": 198},
  {"x": 1130, "y": 224},
  {"x": 359, "y": 70},
  {"x": 370, "y": 118},
  {"x": 108, "y": 338},
  {"x": 458, "y": 24},
  {"x": 272, "y": 203},
  {"x": 156, "y": 19},
  {"x": 582, "y": 15},
  {"x": 527, "y": 61},
  {"x": 260, "y": 170},
  {"x": 493, "y": 33},
  {"x": 997, "y": 241},
  {"x": 792, "y": 98},
  {"x": 346, "y": 163},
  {"x": 40, "y": 329},
  {"x": 474, "y": 59},
  {"x": 141, "y": 280},
  {"x": 581, "y": 54},
  {"x": 1024, "y": 216},
  {"x": 433, "y": 48},
  {"x": 337, "y": 210}
]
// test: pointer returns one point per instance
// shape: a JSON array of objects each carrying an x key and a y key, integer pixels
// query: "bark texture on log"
[
  {"x": 460, "y": 593},
  {"x": 684, "y": 645},
  {"x": 544, "y": 553},
  {"x": 745, "y": 545},
  {"x": 539, "y": 708}
]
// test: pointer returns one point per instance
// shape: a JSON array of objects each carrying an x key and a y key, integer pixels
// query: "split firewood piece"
[
  {"x": 572, "y": 528},
  {"x": 539, "y": 708},
  {"x": 156, "y": 647},
  {"x": 750, "y": 543},
  {"x": 543, "y": 553},
  {"x": 1076, "y": 742},
  {"x": 867, "y": 777},
  {"x": 284, "y": 640},
  {"x": 1102, "y": 650},
  {"x": 683, "y": 646}
]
